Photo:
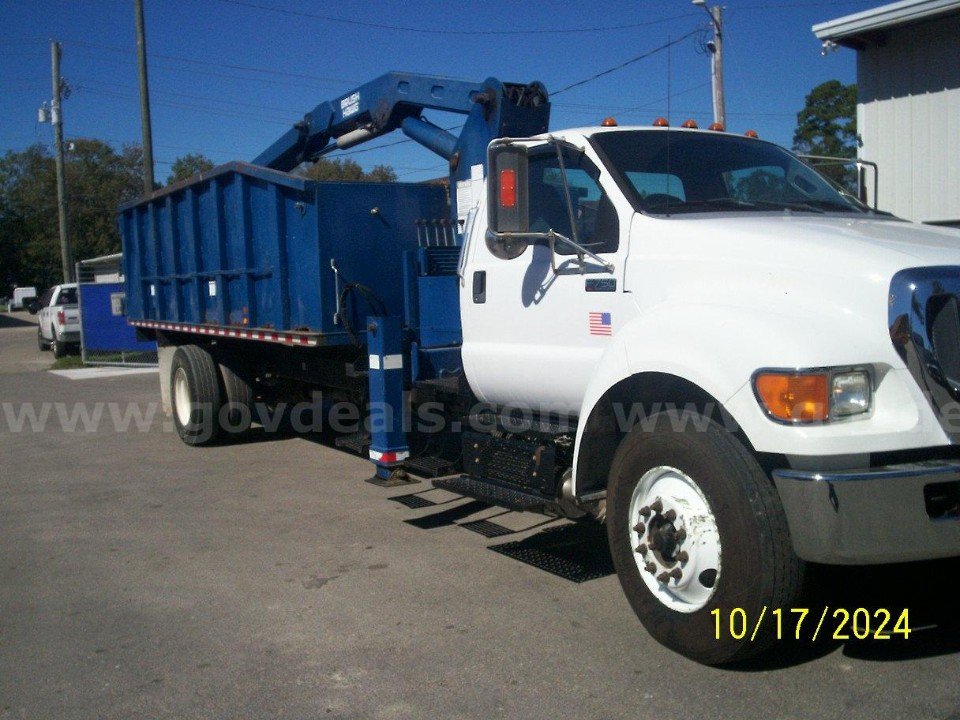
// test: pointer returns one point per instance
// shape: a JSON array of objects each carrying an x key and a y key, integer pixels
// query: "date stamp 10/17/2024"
[{"x": 809, "y": 624}]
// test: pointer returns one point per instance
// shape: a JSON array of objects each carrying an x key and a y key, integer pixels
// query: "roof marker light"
[
  {"x": 716, "y": 127},
  {"x": 690, "y": 124},
  {"x": 752, "y": 134},
  {"x": 661, "y": 122},
  {"x": 608, "y": 122}
]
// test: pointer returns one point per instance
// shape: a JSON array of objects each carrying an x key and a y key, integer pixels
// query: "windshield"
[{"x": 670, "y": 171}]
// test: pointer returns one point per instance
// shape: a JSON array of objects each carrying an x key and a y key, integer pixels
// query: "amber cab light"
[
  {"x": 608, "y": 122},
  {"x": 752, "y": 134},
  {"x": 661, "y": 122},
  {"x": 794, "y": 397},
  {"x": 690, "y": 124},
  {"x": 716, "y": 127},
  {"x": 508, "y": 188}
]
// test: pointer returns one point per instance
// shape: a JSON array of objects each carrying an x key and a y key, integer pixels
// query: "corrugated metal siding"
[{"x": 909, "y": 118}]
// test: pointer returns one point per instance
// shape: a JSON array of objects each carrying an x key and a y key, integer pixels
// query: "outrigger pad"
[{"x": 394, "y": 477}]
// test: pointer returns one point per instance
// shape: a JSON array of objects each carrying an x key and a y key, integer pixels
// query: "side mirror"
[
  {"x": 33, "y": 307},
  {"x": 508, "y": 204},
  {"x": 507, "y": 201}
]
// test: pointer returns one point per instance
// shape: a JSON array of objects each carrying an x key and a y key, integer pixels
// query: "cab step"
[{"x": 488, "y": 492}]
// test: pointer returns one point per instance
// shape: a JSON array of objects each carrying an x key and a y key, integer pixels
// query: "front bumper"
[{"x": 891, "y": 514}]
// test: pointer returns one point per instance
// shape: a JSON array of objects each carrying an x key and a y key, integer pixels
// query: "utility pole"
[
  {"x": 715, "y": 47},
  {"x": 56, "y": 119},
  {"x": 144, "y": 100}
]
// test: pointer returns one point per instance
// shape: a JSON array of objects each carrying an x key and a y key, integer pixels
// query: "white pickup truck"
[{"x": 58, "y": 316}]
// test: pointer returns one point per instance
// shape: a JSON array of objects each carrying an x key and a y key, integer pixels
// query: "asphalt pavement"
[{"x": 141, "y": 578}]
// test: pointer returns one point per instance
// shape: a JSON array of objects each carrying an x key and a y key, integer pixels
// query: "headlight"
[{"x": 813, "y": 396}]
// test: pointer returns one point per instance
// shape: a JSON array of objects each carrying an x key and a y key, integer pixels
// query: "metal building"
[{"x": 908, "y": 105}]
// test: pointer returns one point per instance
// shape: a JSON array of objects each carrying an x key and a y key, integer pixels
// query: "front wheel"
[{"x": 695, "y": 527}]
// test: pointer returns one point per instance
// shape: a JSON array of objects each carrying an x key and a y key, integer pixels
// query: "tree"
[
  {"x": 99, "y": 179},
  {"x": 827, "y": 125},
  {"x": 349, "y": 170},
  {"x": 186, "y": 166}
]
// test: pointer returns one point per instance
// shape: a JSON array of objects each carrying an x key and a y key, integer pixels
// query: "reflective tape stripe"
[
  {"x": 390, "y": 456},
  {"x": 389, "y": 362}
]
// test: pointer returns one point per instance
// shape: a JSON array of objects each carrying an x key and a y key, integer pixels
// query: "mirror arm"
[{"x": 551, "y": 237}]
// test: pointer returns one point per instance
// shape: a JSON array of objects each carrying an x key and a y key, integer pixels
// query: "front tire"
[
  {"x": 695, "y": 525},
  {"x": 195, "y": 396}
]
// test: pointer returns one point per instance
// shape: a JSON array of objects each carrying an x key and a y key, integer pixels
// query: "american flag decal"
[{"x": 600, "y": 323}]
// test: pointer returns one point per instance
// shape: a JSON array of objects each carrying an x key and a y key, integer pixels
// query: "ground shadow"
[{"x": 12, "y": 321}]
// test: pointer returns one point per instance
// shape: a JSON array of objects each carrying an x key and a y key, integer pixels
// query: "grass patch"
[{"x": 69, "y": 362}]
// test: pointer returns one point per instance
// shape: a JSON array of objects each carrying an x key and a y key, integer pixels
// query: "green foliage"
[
  {"x": 827, "y": 125},
  {"x": 186, "y": 166},
  {"x": 98, "y": 179},
  {"x": 349, "y": 170}
]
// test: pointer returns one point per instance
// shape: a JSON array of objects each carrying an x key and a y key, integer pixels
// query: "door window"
[{"x": 596, "y": 220}]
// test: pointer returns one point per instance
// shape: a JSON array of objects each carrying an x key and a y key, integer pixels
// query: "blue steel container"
[{"x": 248, "y": 247}]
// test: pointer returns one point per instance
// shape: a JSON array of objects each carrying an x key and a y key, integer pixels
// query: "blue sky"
[{"x": 229, "y": 76}]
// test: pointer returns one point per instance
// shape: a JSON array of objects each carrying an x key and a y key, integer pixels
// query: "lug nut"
[
  {"x": 670, "y": 515},
  {"x": 642, "y": 549},
  {"x": 650, "y": 568},
  {"x": 640, "y": 528},
  {"x": 656, "y": 506},
  {"x": 676, "y": 573},
  {"x": 680, "y": 536},
  {"x": 663, "y": 577},
  {"x": 682, "y": 556},
  {"x": 645, "y": 511}
]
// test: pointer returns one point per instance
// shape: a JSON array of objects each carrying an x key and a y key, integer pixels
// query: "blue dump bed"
[{"x": 248, "y": 247}]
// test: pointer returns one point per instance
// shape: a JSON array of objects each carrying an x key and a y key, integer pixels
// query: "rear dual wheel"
[
  {"x": 696, "y": 528},
  {"x": 210, "y": 401}
]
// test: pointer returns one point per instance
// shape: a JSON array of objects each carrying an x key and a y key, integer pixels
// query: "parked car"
[
  {"x": 59, "y": 319},
  {"x": 22, "y": 297}
]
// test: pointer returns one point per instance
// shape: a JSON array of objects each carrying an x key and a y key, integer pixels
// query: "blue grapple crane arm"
[{"x": 397, "y": 101}]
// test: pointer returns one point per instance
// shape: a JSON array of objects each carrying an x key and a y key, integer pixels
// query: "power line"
[
  {"x": 622, "y": 65},
  {"x": 230, "y": 66},
  {"x": 446, "y": 31},
  {"x": 189, "y": 106}
]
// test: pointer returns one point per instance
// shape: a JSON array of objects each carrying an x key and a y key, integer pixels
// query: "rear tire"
[
  {"x": 237, "y": 413},
  {"x": 195, "y": 396},
  {"x": 731, "y": 517},
  {"x": 58, "y": 347}
]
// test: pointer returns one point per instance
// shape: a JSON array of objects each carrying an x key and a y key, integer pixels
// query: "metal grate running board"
[
  {"x": 490, "y": 493},
  {"x": 357, "y": 442},
  {"x": 428, "y": 466}
]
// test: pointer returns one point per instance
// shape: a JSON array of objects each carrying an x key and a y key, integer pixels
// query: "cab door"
[{"x": 536, "y": 321}]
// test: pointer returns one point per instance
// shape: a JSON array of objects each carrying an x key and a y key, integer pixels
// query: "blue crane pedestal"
[{"x": 388, "y": 437}]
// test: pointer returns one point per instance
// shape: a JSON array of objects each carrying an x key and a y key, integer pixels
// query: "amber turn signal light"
[{"x": 795, "y": 397}]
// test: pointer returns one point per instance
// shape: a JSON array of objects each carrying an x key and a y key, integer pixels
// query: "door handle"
[{"x": 479, "y": 286}]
